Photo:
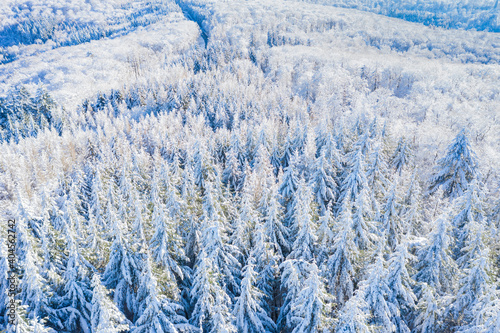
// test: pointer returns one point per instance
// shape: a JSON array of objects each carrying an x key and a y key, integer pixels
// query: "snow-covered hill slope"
[
  {"x": 72, "y": 73},
  {"x": 456, "y": 14},
  {"x": 28, "y": 27}
]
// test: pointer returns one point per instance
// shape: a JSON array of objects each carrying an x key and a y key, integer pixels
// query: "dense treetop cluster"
[{"x": 219, "y": 222}]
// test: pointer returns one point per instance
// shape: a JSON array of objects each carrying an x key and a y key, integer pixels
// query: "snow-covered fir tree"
[
  {"x": 292, "y": 277},
  {"x": 210, "y": 301},
  {"x": 435, "y": 265},
  {"x": 311, "y": 304},
  {"x": 249, "y": 316},
  {"x": 400, "y": 288},
  {"x": 476, "y": 280},
  {"x": 339, "y": 269},
  {"x": 323, "y": 183},
  {"x": 73, "y": 302},
  {"x": 354, "y": 316},
  {"x": 390, "y": 220},
  {"x": 402, "y": 156},
  {"x": 154, "y": 312},
  {"x": 456, "y": 169},
  {"x": 303, "y": 226},
  {"x": 430, "y": 318},
  {"x": 105, "y": 316},
  {"x": 121, "y": 272},
  {"x": 33, "y": 287},
  {"x": 166, "y": 244}
]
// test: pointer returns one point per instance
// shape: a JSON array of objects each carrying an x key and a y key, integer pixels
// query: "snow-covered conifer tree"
[
  {"x": 354, "y": 179},
  {"x": 121, "y": 272},
  {"x": 402, "y": 156},
  {"x": 288, "y": 152},
  {"x": 363, "y": 143},
  {"x": 362, "y": 222},
  {"x": 33, "y": 290},
  {"x": 430, "y": 318},
  {"x": 125, "y": 184},
  {"x": 411, "y": 208},
  {"x": 303, "y": 226},
  {"x": 311, "y": 305},
  {"x": 249, "y": 316},
  {"x": 376, "y": 291},
  {"x": 390, "y": 219},
  {"x": 94, "y": 241},
  {"x": 435, "y": 265},
  {"x": 73, "y": 307},
  {"x": 292, "y": 277},
  {"x": 173, "y": 200},
  {"x": 485, "y": 314},
  {"x": 400, "y": 288},
  {"x": 244, "y": 222},
  {"x": 475, "y": 281},
  {"x": 377, "y": 172},
  {"x": 469, "y": 210},
  {"x": 354, "y": 315},
  {"x": 215, "y": 244},
  {"x": 262, "y": 172},
  {"x": 23, "y": 237},
  {"x": 289, "y": 184},
  {"x": 261, "y": 149},
  {"x": 138, "y": 222},
  {"x": 95, "y": 204},
  {"x": 274, "y": 158},
  {"x": 73, "y": 218},
  {"x": 274, "y": 230},
  {"x": 210, "y": 302},
  {"x": 266, "y": 269},
  {"x": 23, "y": 324},
  {"x": 155, "y": 191},
  {"x": 333, "y": 155},
  {"x": 222, "y": 318},
  {"x": 203, "y": 290},
  {"x": 154, "y": 312},
  {"x": 456, "y": 169},
  {"x": 322, "y": 182},
  {"x": 203, "y": 167},
  {"x": 232, "y": 175},
  {"x": 46, "y": 230},
  {"x": 166, "y": 244},
  {"x": 473, "y": 246},
  {"x": 105, "y": 316},
  {"x": 325, "y": 235},
  {"x": 339, "y": 269}
]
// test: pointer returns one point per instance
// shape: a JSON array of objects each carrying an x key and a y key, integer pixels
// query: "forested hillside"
[
  {"x": 455, "y": 14},
  {"x": 284, "y": 167}
]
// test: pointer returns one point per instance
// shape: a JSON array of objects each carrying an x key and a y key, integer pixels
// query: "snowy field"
[{"x": 250, "y": 166}]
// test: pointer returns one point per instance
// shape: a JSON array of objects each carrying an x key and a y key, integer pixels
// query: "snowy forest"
[{"x": 249, "y": 166}]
